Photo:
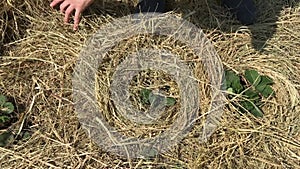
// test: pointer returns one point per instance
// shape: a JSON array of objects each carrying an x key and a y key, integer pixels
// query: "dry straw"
[{"x": 38, "y": 58}]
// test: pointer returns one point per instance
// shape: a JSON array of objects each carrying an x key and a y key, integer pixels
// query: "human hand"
[{"x": 69, "y": 6}]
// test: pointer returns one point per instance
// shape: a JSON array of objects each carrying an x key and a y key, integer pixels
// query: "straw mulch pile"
[{"x": 38, "y": 53}]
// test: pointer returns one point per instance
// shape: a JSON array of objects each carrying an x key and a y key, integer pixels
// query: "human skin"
[{"x": 68, "y": 7}]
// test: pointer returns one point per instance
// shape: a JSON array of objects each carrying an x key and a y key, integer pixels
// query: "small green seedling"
[
  {"x": 6, "y": 108},
  {"x": 254, "y": 88},
  {"x": 148, "y": 97}
]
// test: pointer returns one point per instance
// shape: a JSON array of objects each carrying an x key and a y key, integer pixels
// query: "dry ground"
[{"x": 38, "y": 54}]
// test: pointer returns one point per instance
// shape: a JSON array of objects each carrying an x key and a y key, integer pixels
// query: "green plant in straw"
[
  {"x": 148, "y": 97},
  {"x": 250, "y": 90},
  {"x": 6, "y": 108}
]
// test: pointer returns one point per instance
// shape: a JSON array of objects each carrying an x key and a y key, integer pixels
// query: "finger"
[
  {"x": 77, "y": 19},
  {"x": 55, "y": 2},
  {"x": 68, "y": 13},
  {"x": 63, "y": 6}
]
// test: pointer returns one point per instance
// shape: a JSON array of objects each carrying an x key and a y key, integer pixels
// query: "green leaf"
[
  {"x": 8, "y": 108},
  {"x": 260, "y": 87},
  {"x": 4, "y": 119},
  {"x": 6, "y": 138},
  {"x": 170, "y": 101},
  {"x": 233, "y": 81},
  {"x": 265, "y": 80},
  {"x": 247, "y": 105},
  {"x": 256, "y": 111},
  {"x": 231, "y": 77},
  {"x": 252, "y": 108},
  {"x": 2, "y": 100},
  {"x": 253, "y": 77},
  {"x": 237, "y": 87},
  {"x": 251, "y": 94},
  {"x": 264, "y": 86},
  {"x": 267, "y": 92},
  {"x": 145, "y": 93},
  {"x": 26, "y": 135}
]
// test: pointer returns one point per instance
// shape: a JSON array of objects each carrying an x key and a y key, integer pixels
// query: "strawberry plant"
[
  {"x": 249, "y": 90},
  {"x": 148, "y": 98},
  {"x": 6, "y": 108}
]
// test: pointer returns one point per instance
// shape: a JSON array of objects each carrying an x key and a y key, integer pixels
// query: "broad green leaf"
[
  {"x": 170, "y": 101},
  {"x": 265, "y": 80},
  {"x": 260, "y": 87},
  {"x": 267, "y": 92},
  {"x": 4, "y": 119},
  {"x": 233, "y": 81},
  {"x": 264, "y": 86},
  {"x": 251, "y": 94},
  {"x": 6, "y": 138},
  {"x": 2, "y": 100},
  {"x": 237, "y": 87},
  {"x": 228, "y": 84},
  {"x": 253, "y": 77},
  {"x": 252, "y": 108},
  {"x": 145, "y": 93},
  {"x": 247, "y": 105},
  {"x": 7, "y": 108},
  {"x": 231, "y": 77},
  {"x": 257, "y": 112}
]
